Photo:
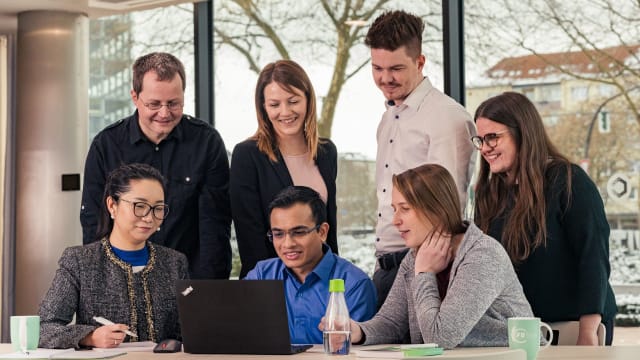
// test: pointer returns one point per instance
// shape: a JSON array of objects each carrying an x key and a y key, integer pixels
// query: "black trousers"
[{"x": 386, "y": 272}]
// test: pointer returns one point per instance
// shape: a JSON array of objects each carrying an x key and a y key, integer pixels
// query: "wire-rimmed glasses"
[
  {"x": 157, "y": 105},
  {"x": 295, "y": 233}
]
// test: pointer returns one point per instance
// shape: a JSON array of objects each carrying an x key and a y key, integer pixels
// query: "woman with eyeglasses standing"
[
  {"x": 285, "y": 150},
  {"x": 547, "y": 213},
  {"x": 123, "y": 278}
]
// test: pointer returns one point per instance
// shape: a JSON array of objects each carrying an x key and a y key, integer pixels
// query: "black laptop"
[{"x": 234, "y": 317}]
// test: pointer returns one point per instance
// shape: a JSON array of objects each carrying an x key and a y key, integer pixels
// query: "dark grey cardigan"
[{"x": 92, "y": 281}]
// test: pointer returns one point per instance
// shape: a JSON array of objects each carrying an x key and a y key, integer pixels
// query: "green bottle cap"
[{"x": 336, "y": 285}]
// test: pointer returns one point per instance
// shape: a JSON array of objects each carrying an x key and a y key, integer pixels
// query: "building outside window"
[{"x": 554, "y": 58}]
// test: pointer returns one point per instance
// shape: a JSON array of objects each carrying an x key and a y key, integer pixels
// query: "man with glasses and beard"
[
  {"x": 188, "y": 152},
  {"x": 298, "y": 231}
]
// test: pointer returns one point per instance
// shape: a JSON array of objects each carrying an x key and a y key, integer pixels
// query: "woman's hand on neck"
[{"x": 434, "y": 254}]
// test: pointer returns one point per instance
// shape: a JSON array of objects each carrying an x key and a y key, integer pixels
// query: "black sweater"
[{"x": 569, "y": 277}]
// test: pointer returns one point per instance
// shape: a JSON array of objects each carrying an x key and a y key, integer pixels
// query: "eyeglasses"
[
  {"x": 491, "y": 139},
  {"x": 157, "y": 105},
  {"x": 142, "y": 209},
  {"x": 295, "y": 233}
]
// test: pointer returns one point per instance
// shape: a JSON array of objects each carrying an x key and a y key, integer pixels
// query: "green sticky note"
[{"x": 427, "y": 351}]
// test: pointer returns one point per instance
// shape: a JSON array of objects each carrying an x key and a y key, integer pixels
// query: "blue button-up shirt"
[{"x": 307, "y": 302}]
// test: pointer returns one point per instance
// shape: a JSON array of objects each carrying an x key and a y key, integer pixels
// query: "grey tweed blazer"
[
  {"x": 91, "y": 281},
  {"x": 483, "y": 292}
]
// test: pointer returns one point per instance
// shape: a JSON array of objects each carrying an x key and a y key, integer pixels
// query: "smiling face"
[
  {"x": 157, "y": 124},
  {"x": 130, "y": 232},
  {"x": 412, "y": 227},
  {"x": 396, "y": 73},
  {"x": 286, "y": 110},
  {"x": 303, "y": 252},
  {"x": 501, "y": 158}
]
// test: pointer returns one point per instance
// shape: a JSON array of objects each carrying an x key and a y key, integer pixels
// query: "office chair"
[{"x": 566, "y": 333}]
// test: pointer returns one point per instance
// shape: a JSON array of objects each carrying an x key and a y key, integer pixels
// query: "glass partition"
[
  {"x": 578, "y": 62},
  {"x": 327, "y": 40},
  {"x": 116, "y": 41}
]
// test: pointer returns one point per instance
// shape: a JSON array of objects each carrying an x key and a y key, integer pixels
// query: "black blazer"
[{"x": 254, "y": 181}]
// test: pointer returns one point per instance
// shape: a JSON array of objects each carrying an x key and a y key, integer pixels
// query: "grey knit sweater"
[
  {"x": 91, "y": 281},
  {"x": 483, "y": 292}
]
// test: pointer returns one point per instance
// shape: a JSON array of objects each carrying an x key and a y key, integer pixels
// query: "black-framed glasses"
[
  {"x": 157, "y": 105},
  {"x": 142, "y": 209},
  {"x": 491, "y": 139},
  {"x": 295, "y": 233}
]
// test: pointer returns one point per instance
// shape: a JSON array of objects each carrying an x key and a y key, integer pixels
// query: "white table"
[{"x": 622, "y": 352}]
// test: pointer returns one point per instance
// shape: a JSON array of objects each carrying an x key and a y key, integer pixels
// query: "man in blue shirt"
[{"x": 299, "y": 229}]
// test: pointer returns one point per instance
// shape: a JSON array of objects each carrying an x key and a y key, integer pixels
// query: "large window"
[
  {"x": 115, "y": 43},
  {"x": 580, "y": 71},
  {"x": 337, "y": 61},
  {"x": 582, "y": 74}
]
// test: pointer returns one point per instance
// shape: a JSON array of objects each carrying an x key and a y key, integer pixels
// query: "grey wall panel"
[
  {"x": 51, "y": 137},
  {"x": 8, "y": 216}
]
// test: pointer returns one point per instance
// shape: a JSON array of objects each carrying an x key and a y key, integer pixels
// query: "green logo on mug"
[
  {"x": 519, "y": 335},
  {"x": 524, "y": 333}
]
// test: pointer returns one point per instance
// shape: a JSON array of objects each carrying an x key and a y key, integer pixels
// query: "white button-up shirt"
[{"x": 428, "y": 127}]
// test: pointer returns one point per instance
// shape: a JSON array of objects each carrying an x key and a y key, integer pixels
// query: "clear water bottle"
[{"x": 337, "y": 332}]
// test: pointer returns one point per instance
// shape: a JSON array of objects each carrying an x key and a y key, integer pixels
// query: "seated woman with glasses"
[
  {"x": 456, "y": 285},
  {"x": 547, "y": 213},
  {"x": 123, "y": 278}
]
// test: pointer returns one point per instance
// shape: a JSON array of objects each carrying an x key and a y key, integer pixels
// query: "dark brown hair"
[
  {"x": 394, "y": 29},
  {"x": 304, "y": 195},
  {"x": 165, "y": 65},
  {"x": 289, "y": 75},
  {"x": 432, "y": 192},
  {"x": 525, "y": 226},
  {"x": 119, "y": 182}
]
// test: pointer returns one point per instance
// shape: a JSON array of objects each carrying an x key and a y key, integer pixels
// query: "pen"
[{"x": 103, "y": 321}]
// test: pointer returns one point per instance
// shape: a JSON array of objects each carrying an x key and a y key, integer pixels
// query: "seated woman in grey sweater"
[
  {"x": 456, "y": 286},
  {"x": 122, "y": 277}
]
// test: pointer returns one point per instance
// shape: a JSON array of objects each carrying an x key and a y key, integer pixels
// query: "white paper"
[{"x": 66, "y": 354}]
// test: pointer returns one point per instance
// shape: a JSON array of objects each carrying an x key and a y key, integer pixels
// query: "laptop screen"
[{"x": 233, "y": 316}]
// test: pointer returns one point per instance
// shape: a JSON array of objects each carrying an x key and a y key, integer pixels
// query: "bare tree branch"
[
  {"x": 251, "y": 10},
  {"x": 357, "y": 70},
  {"x": 242, "y": 50}
]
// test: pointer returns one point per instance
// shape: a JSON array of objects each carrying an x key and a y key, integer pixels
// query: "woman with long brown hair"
[
  {"x": 547, "y": 213},
  {"x": 285, "y": 150},
  {"x": 456, "y": 285}
]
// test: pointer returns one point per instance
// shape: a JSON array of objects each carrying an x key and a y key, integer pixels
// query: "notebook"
[{"x": 234, "y": 317}]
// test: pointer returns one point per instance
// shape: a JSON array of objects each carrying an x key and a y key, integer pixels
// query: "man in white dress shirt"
[{"x": 421, "y": 125}]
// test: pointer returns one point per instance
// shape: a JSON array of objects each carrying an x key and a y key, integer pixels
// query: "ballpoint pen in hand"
[{"x": 103, "y": 321}]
